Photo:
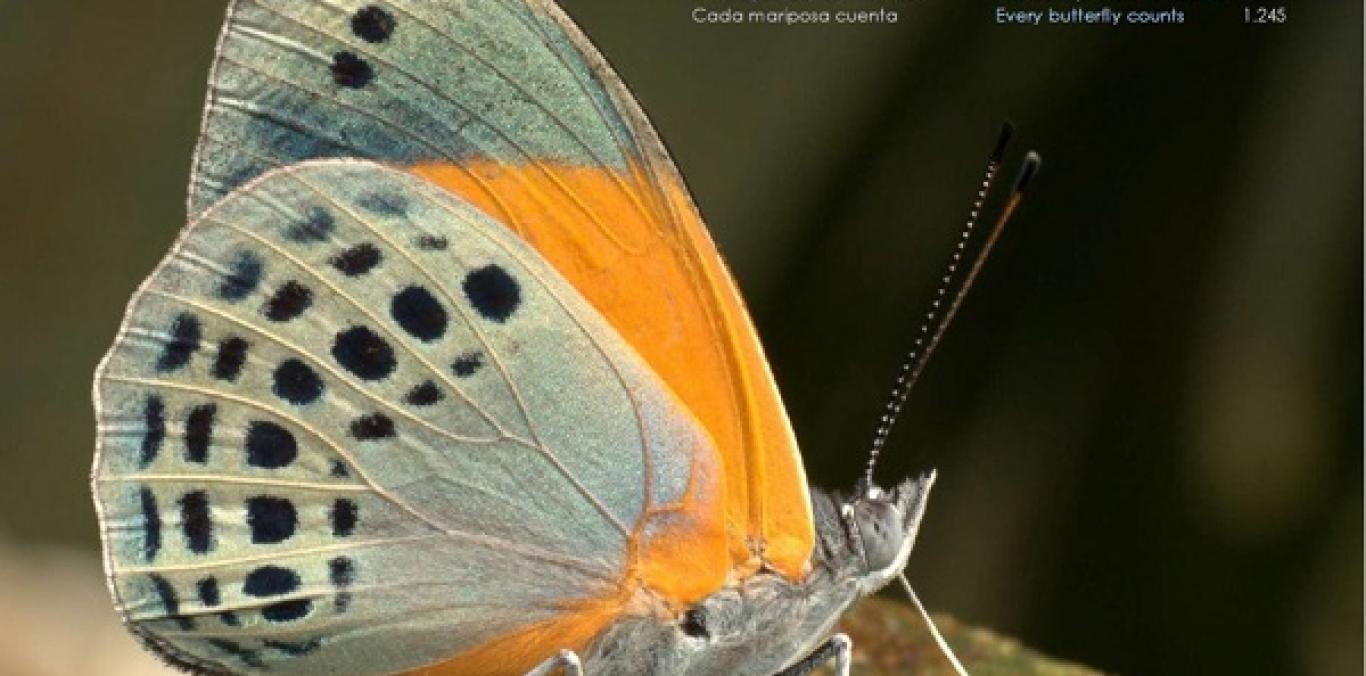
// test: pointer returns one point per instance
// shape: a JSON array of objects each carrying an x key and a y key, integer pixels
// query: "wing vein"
[
  {"x": 382, "y": 325},
  {"x": 321, "y": 363},
  {"x": 531, "y": 158},
  {"x": 635, "y": 406},
  {"x": 241, "y": 481},
  {"x": 250, "y": 403},
  {"x": 578, "y": 138},
  {"x": 634, "y": 142},
  {"x": 536, "y": 442},
  {"x": 273, "y": 556}
]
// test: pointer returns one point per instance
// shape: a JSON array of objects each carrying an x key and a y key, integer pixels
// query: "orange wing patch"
[
  {"x": 641, "y": 255},
  {"x": 517, "y": 653}
]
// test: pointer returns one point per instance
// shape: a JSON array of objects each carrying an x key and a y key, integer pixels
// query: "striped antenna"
[{"x": 937, "y": 322}]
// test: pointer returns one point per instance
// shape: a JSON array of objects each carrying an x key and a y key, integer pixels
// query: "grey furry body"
[{"x": 764, "y": 623}]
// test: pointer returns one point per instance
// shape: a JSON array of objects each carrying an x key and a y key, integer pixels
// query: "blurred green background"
[{"x": 1147, "y": 420}]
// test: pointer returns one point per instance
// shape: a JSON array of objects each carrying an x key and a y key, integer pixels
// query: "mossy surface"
[{"x": 890, "y": 638}]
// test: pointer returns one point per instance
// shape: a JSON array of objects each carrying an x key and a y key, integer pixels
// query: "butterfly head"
[{"x": 882, "y": 525}]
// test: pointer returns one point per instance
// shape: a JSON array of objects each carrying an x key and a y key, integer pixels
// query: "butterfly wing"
[
  {"x": 352, "y": 424},
  {"x": 507, "y": 104}
]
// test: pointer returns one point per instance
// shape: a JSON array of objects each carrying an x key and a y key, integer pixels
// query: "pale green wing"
[
  {"x": 506, "y": 103},
  {"x": 407, "y": 81},
  {"x": 353, "y": 425}
]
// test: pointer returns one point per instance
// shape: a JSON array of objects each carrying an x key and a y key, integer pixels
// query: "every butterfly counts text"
[{"x": 1102, "y": 16}]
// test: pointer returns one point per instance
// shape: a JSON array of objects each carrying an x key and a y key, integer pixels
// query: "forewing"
[
  {"x": 352, "y": 424},
  {"x": 507, "y": 104}
]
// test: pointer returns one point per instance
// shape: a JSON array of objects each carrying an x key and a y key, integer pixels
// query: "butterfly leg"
[
  {"x": 567, "y": 661},
  {"x": 839, "y": 647}
]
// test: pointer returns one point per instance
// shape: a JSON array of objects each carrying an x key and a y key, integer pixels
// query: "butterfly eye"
[{"x": 694, "y": 623}]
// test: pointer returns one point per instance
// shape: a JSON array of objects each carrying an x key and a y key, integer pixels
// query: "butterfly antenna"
[
  {"x": 936, "y": 323},
  {"x": 934, "y": 631}
]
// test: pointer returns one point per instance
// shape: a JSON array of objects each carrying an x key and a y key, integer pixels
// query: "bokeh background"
[{"x": 1147, "y": 420}]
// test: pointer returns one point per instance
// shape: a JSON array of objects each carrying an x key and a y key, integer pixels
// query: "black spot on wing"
[
  {"x": 391, "y": 205},
  {"x": 170, "y": 602},
  {"x": 342, "y": 572},
  {"x": 344, "y": 515},
  {"x": 357, "y": 260},
  {"x": 467, "y": 364},
  {"x": 196, "y": 521},
  {"x": 270, "y": 446},
  {"x": 151, "y": 524},
  {"x": 294, "y": 648},
  {"x": 232, "y": 355},
  {"x": 199, "y": 432},
  {"x": 362, "y": 352},
  {"x": 424, "y": 394},
  {"x": 372, "y": 24},
  {"x": 431, "y": 242},
  {"x": 185, "y": 335},
  {"x": 289, "y": 301},
  {"x": 244, "y": 275},
  {"x": 296, "y": 383},
  {"x": 317, "y": 226},
  {"x": 271, "y": 519},
  {"x": 154, "y": 417},
  {"x": 372, "y": 427},
  {"x": 339, "y": 470},
  {"x": 270, "y": 581},
  {"x": 249, "y": 658},
  {"x": 493, "y": 292},
  {"x": 349, "y": 70},
  {"x": 287, "y": 611},
  {"x": 209, "y": 594},
  {"x": 419, "y": 313}
]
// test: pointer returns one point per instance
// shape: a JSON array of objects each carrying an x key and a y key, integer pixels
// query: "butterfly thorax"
[{"x": 764, "y": 622}]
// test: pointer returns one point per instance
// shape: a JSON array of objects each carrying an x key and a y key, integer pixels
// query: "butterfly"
[{"x": 446, "y": 376}]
